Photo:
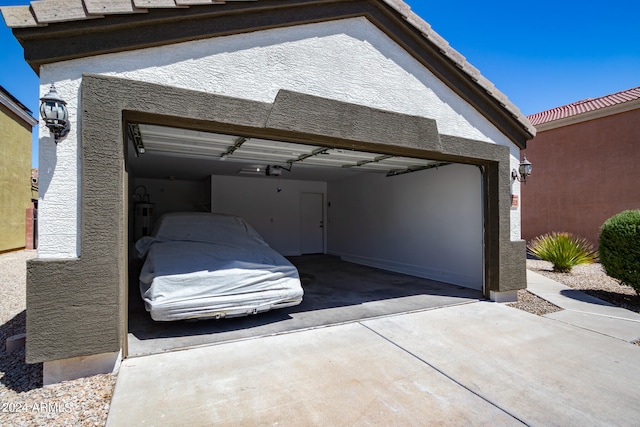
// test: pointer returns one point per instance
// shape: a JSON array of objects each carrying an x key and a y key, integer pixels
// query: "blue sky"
[{"x": 541, "y": 54}]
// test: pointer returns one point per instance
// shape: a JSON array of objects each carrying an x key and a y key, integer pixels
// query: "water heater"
[{"x": 143, "y": 220}]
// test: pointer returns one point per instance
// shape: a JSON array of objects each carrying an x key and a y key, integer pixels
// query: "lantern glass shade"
[
  {"x": 53, "y": 110},
  {"x": 525, "y": 167}
]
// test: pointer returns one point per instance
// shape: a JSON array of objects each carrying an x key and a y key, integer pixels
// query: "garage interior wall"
[
  {"x": 407, "y": 223},
  {"x": 274, "y": 214},
  {"x": 173, "y": 195},
  {"x": 426, "y": 224}
]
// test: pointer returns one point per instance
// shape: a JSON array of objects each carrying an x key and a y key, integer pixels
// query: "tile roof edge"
[
  {"x": 460, "y": 61},
  {"x": 604, "y": 104}
]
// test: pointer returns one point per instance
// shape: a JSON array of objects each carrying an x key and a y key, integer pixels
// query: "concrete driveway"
[{"x": 478, "y": 363}]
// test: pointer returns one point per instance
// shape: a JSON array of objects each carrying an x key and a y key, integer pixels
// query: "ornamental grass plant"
[{"x": 563, "y": 250}]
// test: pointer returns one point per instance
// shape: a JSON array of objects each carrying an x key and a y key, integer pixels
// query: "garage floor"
[{"x": 335, "y": 292}]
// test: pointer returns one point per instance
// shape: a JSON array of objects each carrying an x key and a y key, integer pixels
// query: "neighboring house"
[
  {"x": 165, "y": 97},
  {"x": 16, "y": 123},
  {"x": 585, "y": 156}
]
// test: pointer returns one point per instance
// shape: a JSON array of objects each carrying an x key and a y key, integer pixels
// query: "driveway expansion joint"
[{"x": 441, "y": 372}]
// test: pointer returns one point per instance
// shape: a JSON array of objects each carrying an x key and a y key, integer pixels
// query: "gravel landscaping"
[
  {"x": 533, "y": 304},
  {"x": 23, "y": 399},
  {"x": 591, "y": 279},
  {"x": 85, "y": 402}
]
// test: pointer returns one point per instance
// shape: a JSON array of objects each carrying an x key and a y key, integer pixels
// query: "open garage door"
[{"x": 412, "y": 227}]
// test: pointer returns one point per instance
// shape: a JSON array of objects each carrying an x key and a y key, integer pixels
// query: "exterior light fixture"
[
  {"x": 524, "y": 170},
  {"x": 53, "y": 111}
]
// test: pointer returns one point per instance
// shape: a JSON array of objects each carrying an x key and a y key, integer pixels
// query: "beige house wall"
[{"x": 15, "y": 179}]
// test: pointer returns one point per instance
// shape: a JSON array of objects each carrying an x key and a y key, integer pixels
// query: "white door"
[{"x": 311, "y": 223}]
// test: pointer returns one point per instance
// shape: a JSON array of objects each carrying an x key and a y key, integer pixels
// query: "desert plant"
[
  {"x": 563, "y": 250},
  {"x": 620, "y": 248}
]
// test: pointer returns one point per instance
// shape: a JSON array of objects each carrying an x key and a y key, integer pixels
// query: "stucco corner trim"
[{"x": 513, "y": 267}]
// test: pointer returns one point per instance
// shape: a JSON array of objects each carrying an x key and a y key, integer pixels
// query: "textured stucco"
[
  {"x": 59, "y": 183},
  {"x": 347, "y": 60},
  {"x": 15, "y": 179},
  {"x": 516, "y": 189},
  {"x": 76, "y": 306}
]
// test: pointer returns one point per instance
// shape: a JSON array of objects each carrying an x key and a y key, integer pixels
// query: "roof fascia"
[{"x": 18, "y": 111}]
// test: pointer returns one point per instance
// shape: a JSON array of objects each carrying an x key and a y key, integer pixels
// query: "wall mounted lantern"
[
  {"x": 53, "y": 110},
  {"x": 524, "y": 170}
]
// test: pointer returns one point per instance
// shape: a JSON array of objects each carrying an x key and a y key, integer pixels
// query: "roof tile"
[
  {"x": 584, "y": 106},
  {"x": 99, "y": 7},
  {"x": 19, "y": 17},
  {"x": 419, "y": 23},
  {"x": 154, "y": 3},
  {"x": 48, "y": 11},
  {"x": 400, "y": 6},
  {"x": 194, "y": 2}
]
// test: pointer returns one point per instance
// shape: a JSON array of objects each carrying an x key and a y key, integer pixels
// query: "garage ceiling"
[{"x": 173, "y": 153}]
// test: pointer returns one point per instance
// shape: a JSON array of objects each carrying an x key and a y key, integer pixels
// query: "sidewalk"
[{"x": 585, "y": 311}]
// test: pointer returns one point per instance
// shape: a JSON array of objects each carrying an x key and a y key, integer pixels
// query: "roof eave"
[
  {"x": 589, "y": 115},
  {"x": 141, "y": 28}
]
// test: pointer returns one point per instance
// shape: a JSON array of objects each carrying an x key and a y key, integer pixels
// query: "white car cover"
[{"x": 205, "y": 265}]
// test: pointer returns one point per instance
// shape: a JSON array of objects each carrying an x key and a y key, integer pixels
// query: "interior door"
[{"x": 311, "y": 223}]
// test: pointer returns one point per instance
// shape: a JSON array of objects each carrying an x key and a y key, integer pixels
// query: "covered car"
[{"x": 206, "y": 265}]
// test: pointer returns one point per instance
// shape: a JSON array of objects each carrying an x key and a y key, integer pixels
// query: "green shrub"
[
  {"x": 620, "y": 248},
  {"x": 563, "y": 250}
]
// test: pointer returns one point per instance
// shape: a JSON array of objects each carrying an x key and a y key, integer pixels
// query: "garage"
[
  {"x": 347, "y": 133},
  {"x": 371, "y": 234}
]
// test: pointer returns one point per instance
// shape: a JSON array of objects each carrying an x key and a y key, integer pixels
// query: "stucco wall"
[
  {"x": 347, "y": 60},
  {"x": 15, "y": 180},
  {"x": 583, "y": 174},
  {"x": 426, "y": 223}
]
